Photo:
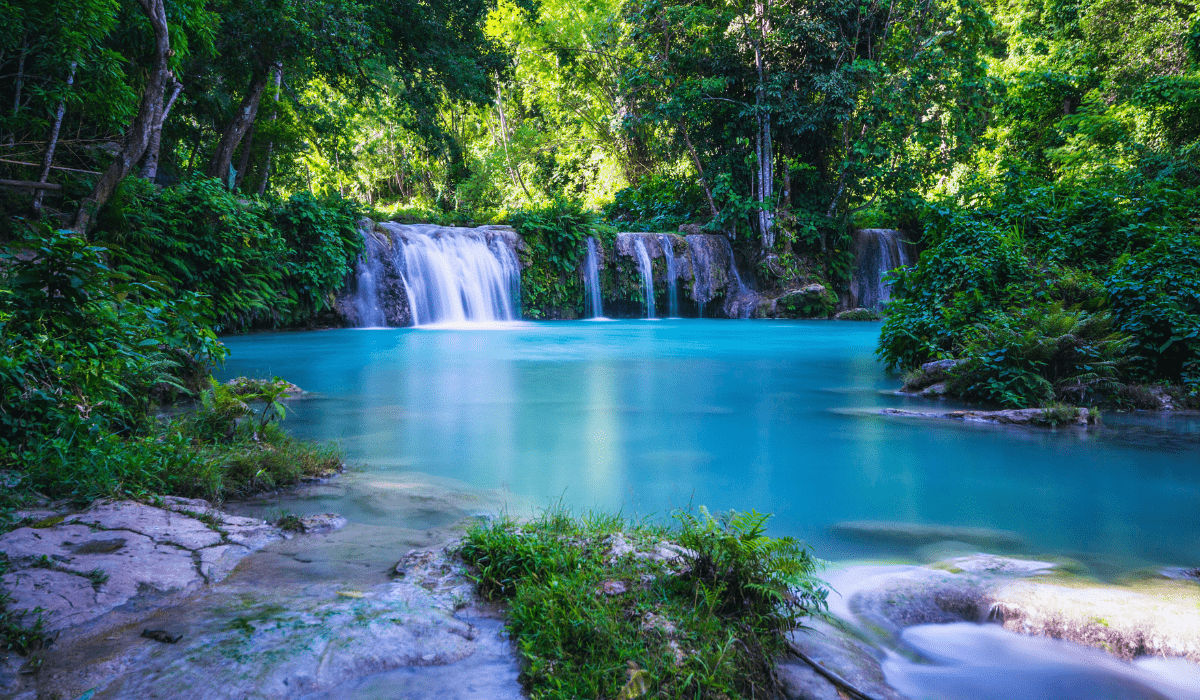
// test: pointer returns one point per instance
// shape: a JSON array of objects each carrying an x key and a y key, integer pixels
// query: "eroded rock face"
[{"x": 117, "y": 551}]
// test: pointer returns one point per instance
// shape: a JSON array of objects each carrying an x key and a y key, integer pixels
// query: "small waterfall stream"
[
  {"x": 424, "y": 274},
  {"x": 591, "y": 278},
  {"x": 647, "y": 271},
  {"x": 877, "y": 251},
  {"x": 672, "y": 291}
]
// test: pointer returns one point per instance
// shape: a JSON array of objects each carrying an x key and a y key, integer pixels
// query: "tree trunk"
[
  {"x": 221, "y": 161},
  {"x": 514, "y": 173},
  {"x": 765, "y": 186},
  {"x": 138, "y": 136},
  {"x": 244, "y": 161},
  {"x": 52, "y": 143},
  {"x": 20, "y": 81},
  {"x": 266, "y": 169},
  {"x": 150, "y": 167}
]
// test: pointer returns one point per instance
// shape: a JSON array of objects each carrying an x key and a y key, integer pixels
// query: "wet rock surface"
[
  {"x": 320, "y": 636},
  {"x": 117, "y": 552},
  {"x": 1016, "y": 416}
]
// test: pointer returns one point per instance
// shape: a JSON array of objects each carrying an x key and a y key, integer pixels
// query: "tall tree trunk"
[
  {"x": 138, "y": 136},
  {"x": 765, "y": 188},
  {"x": 221, "y": 161},
  {"x": 244, "y": 161},
  {"x": 20, "y": 80},
  {"x": 52, "y": 143},
  {"x": 150, "y": 166},
  {"x": 277, "y": 70}
]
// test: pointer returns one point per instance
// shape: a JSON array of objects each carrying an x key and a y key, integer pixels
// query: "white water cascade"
[
  {"x": 591, "y": 278},
  {"x": 672, "y": 292},
  {"x": 423, "y": 274},
  {"x": 877, "y": 251},
  {"x": 647, "y": 270}
]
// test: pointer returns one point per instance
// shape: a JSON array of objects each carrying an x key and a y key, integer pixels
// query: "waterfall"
[
  {"x": 591, "y": 278},
  {"x": 647, "y": 270},
  {"x": 714, "y": 273},
  {"x": 423, "y": 274},
  {"x": 672, "y": 292},
  {"x": 368, "y": 272},
  {"x": 877, "y": 251}
]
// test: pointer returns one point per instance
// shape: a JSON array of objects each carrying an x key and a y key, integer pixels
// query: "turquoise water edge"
[{"x": 782, "y": 417}]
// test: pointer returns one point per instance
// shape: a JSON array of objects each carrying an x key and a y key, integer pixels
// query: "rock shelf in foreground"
[{"x": 86, "y": 564}]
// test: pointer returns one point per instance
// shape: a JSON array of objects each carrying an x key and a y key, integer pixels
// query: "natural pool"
[{"x": 782, "y": 417}]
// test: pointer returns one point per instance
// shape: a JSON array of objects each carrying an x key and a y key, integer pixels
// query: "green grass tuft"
[{"x": 707, "y": 624}]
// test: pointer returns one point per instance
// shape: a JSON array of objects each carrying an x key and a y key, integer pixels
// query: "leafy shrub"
[
  {"x": 216, "y": 452},
  {"x": 261, "y": 262},
  {"x": 82, "y": 348},
  {"x": 1035, "y": 356},
  {"x": 589, "y": 622},
  {"x": 551, "y": 281},
  {"x": 658, "y": 203},
  {"x": 1156, "y": 298}
]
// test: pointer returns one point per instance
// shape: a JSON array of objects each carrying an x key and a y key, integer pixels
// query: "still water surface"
[{"x": 646, "y": 416}]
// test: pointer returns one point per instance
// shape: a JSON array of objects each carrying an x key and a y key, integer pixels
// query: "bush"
[
  {"x": 555, "y": 237},
  {"x": 658, "y": 203},
  {"x": 591, "y": 622},
  {"x": 261, "y": 262},
  {"x": 82, "y": 349},
  {"x": 1156, "y": 298},
  {"x": 1036, "y": 356}
]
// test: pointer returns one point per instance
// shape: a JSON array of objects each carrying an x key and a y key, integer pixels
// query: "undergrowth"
[{"x": 590, "y": 622}]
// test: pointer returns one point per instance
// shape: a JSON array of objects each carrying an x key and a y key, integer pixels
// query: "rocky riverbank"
[
  {"x": 138, "y": 601},
  {"x": 143, "y": 600}
]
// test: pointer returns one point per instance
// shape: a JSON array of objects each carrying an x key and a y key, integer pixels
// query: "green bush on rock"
[
  {"x": 697, "y": 610},
  {"x": 551, "y": 280}
]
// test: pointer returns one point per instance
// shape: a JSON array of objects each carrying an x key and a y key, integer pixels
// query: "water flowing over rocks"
[
  {"x": 422, "y": 274},
  {"x": 700, "y": 279},
  {"x": 947, "y": 630},
  {"x": 877, "y": 251}
]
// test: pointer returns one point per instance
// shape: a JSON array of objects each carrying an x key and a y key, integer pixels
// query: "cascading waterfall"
[
  {"x": 369, "y": 272},
  {"x": 647, "y": 270},
  {"x": 877, "y": 252},
  {"x": 591, "y": 278},
  {"x": 456, "y": 277},
  {"x": 423, "y": 274},
  {"x": 672, "y": 292}
]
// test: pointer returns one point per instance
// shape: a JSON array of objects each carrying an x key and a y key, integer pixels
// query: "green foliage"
[
  {"x": 555, "y": 236},
  {"x": 586, "y": 617},
  {"x": 1155, "y": 296},
  {"x": 261, "y": 263},
  {"x": 1035, "y": 356},
  {"x": 217, "y": 451},
  {"x": 657, "y": 203},
  {"x": 84, "y": 349}
]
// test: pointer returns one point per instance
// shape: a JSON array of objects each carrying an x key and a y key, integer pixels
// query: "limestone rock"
[
  {"x": 322, "y": 523},
  {"x": 1047, "y": 417},
  {"x": 116, "y": 552}
]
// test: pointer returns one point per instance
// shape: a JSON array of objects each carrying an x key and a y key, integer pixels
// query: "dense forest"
[{"x": 175, "y": 169}]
